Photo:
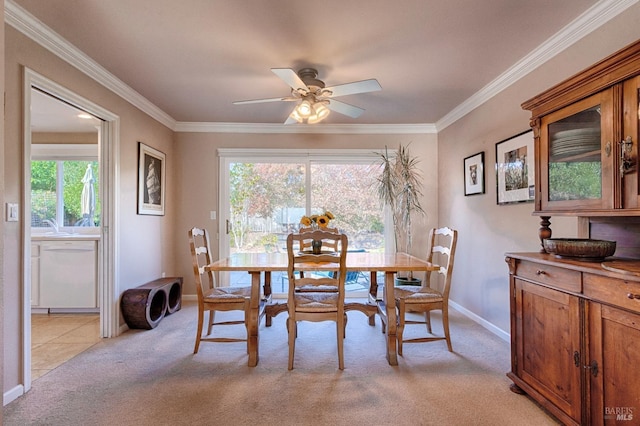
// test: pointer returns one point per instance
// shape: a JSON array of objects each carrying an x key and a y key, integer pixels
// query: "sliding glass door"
[{"x": 263, "y": 198}]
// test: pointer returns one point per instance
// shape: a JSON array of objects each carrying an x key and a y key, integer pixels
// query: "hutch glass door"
[{"x": 577, "y": 156}]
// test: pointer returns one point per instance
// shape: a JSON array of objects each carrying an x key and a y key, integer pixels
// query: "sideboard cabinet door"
[
  {"x": 547, "y": 345},
  {"x": 614, "y": 365}
]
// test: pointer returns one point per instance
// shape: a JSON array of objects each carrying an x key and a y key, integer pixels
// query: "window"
[
  {"x": 266, "y": 195},
  {"x": 64, "y": 192}
]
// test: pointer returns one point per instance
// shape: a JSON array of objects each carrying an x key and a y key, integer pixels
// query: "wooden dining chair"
[
  {"x": 316, "y": 297},
  {"x": 305, "y": 244},
  {"x": 427, "y": 298},
  {"x": 211, "y": 296}
]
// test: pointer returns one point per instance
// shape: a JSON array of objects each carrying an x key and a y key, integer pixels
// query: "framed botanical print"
[
  {"x": 151, "y": 180},
  {"x": 474, "y": 174},
  {"x": 515, "y": 169}
]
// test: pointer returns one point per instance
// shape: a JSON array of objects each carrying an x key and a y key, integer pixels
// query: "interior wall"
[
  {"x": 145, "y": 247},
  {"x": 197, "y": 171},
  {"x": 487, "y": 230}
]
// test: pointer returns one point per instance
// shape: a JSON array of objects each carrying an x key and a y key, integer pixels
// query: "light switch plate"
[
  {"x": 12, "y": 212},
  {"x": 212, "y": 214}
]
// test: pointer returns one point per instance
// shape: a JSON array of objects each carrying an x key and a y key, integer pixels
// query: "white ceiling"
[{"x": 193, "y": 58}]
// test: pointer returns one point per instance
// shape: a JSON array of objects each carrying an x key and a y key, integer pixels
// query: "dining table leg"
[
  {"x": 390, "y": 305},
  {"x": 254, "y": 318},
  {"x": 266, "y": 292},
  {"x": 373, "y": 294}
]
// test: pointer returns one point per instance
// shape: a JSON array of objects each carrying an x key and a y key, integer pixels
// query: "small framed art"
[
  {"x": 151, "y": 180},
  {"x": 515, "y": 172},
  {"x": 474, "y": 174}
]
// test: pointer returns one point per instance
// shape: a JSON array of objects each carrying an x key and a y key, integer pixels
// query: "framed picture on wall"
[
  {"x": 151, "y": 180},
  {"x": 474, "y": 174},
  {"x": 515, "y": 173}
]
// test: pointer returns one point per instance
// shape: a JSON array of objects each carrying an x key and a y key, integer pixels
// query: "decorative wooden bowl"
[{"x": 580, "y": 248}]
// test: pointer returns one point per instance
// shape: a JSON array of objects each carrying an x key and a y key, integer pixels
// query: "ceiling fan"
[{"x": 315, "y": 101}]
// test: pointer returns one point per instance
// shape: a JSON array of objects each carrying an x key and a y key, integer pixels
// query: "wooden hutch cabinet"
[
  {"x": 586, "y": 141},
  {"x": 575, "y": 325}
]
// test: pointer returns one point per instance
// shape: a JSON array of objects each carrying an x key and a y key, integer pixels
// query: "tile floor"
[{"x": 56, "y": 338}]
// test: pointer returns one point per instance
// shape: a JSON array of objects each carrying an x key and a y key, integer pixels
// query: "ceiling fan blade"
[
  {"x": 290, "y": 77},
  {"x": 363, "y": 86},
  {"x": 259, "y": 101},
  {"x": 345, "y": 109}
]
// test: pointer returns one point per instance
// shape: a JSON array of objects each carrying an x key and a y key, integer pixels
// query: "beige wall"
[
  {"x": 487, "y": 231},
  {"x": 197, "y": 172},
  {"x": 146, "y": 244}
]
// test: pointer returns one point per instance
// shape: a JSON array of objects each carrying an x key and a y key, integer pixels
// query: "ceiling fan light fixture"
[
  {"x": 305, "y": 109},
  {"x": 295, "y": 116},
  {"x": 320, "y": 113},
  {"x": 312, "y": 95}
]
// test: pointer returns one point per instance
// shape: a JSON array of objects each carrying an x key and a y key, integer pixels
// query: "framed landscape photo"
[
  {"x": 474, "y": 174},
  {"x": 151, "y": 180},
  {"x": 515, "y": 173}
]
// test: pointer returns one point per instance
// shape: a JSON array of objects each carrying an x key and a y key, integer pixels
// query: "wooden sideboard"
[{"x": 575, "y": 337}]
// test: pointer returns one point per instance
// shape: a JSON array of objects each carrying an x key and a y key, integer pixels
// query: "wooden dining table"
[{"x": 257, "y": 264}]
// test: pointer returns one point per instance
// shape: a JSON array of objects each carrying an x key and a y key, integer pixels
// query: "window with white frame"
[
  {"x": 64, "y": 186},
  {"x": 265, "y": 193}
]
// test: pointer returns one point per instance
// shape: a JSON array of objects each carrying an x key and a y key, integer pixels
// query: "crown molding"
[
  {"x": 199, "y": 127},
  {"x": 37, "y": 31},
  {"x": 596, "y": 16}
]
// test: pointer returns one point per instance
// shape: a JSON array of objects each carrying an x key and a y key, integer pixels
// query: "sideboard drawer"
[
  {"x": 553, "y": 276},
  {"x": 622, "y": 293}
]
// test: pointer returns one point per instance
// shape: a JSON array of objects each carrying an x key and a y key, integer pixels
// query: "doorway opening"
[{"x": 68, "y": 224}]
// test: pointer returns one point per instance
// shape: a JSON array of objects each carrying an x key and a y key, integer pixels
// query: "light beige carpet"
[{"x": 151, "y": 377}]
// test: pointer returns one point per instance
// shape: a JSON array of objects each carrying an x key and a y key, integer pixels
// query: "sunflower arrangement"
[{"x": 317, "y": 220}]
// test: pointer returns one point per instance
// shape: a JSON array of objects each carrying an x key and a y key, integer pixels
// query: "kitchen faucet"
[{"x": 53, "y": 224}]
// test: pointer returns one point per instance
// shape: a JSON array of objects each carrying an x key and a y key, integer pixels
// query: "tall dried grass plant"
[{"x": 399, "y": 187}]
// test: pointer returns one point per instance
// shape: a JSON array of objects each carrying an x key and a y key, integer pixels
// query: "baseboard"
[
  {"x": 12, "y": 394},
  {"x": 486, "y": 324}
]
